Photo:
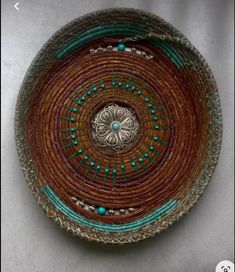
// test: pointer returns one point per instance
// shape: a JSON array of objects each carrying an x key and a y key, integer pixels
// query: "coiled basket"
[{"x": 118, "y": 126}]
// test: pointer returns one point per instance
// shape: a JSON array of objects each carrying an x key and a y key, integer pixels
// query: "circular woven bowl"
[{"x": 118, "y": 126}]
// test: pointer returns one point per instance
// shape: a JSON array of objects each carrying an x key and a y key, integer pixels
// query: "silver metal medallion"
[{"x": 115, "y": 127}]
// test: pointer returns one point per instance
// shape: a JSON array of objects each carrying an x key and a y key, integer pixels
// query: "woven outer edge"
[{"x": 185, "y": 206}]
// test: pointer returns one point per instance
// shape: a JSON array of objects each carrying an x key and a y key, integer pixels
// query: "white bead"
[
  {"x": 99, "y": 50},
  {"x": 122, "y": 211},
  {"x": 80, "y": 203},
  {"x": 111, "y": 212},
  {"x": 92, "y": 208}
]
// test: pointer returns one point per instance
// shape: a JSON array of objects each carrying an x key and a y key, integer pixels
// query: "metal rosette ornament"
[
  {"x": 115, "y": 127},
  {"x": 118, "y": 126}
]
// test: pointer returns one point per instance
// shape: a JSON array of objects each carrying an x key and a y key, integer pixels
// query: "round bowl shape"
[{"x": 118, "y": 126}]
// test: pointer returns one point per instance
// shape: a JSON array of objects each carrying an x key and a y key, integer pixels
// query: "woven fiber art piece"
[{"x": 118, "y": 126}]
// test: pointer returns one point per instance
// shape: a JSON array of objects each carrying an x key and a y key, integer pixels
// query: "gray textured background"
[{"x": 30, "y": 241}]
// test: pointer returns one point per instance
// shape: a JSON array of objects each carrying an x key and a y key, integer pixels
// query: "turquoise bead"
[
  {"x": 83, "y": 98},
  {"x": 98, "y": 167},
  {"x": 127, "y": 86},
  {"x": 106, "y": 170},
  {"x": 89, "y": 93},
  {"x": 79, "y": 102},
  {"x": 92, "y": 164},
  {"x": 72, "y": 129},
  {"x": 156, "y": 127},
  {"x": 153, "y": 111},
  {"x": 116, "y": 126},
  {"x": 139, "y": 92},
  {"x": 74, "y": 110},
  {"x": 133, "y": 88},
  {"x": 146, "y": 99},
  {"x": 101, "y": 211},
  {"x": 119, "y": 84},
  {"x": 75, "y": 143},
  {"x": 150, "y": 106},
  {"x": 140, "y": 160},
  {"x": 155, "y": 138},
  {"x": 73, "y": 136},
  {"x": 114, "y": 171},
  {"x": 146, "y": 155},
  {"x": 86, "y": 158},
  {"x": 121, "y": 47},
  {"x": 133, "y": 164},
  {"x": 151, "y": 148},
  {"x": 155, "y": 118},
  {"x": 94, "y": 89},
  {"x": 80, "y": 151},
  {"x": 72, "y": 119},
  {"x": 102, "y": 86},
  {"x": 122, "y": 166},
  {"x": 113, "y": 83}
]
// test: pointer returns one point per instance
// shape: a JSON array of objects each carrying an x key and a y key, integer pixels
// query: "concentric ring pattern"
[{"x": 118, "y": 126}]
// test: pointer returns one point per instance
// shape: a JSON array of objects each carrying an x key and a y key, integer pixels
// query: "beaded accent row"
[
  {"x": 102, "y": 210},
  {"x": 121, "y": 47}
]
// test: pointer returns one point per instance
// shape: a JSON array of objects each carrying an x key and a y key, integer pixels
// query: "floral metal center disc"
[{"x": 115, "y": 127}]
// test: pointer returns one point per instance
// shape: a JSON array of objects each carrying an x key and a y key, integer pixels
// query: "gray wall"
[{"x": 30, "y": 241}]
